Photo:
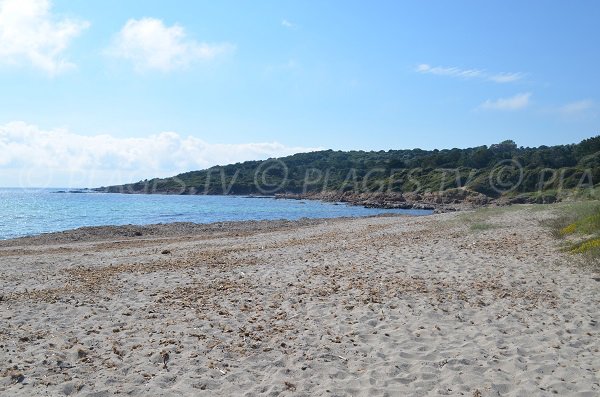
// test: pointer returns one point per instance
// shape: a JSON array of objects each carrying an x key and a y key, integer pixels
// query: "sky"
[{"x": 107, "y": 92}]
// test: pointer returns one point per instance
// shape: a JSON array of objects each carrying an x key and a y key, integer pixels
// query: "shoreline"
[
  {"x": 198, "y": 225},
  {"x": 435, "y": 203},
  {"x": 132, "y": 231},
  {"x": 450, "y": 200},
  {"x": 439, "y": 203}
]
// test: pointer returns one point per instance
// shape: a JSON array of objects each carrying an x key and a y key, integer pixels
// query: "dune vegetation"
[{"x": 577, "y": 225}]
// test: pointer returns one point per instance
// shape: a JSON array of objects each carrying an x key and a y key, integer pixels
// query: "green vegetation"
[
  {"x": 520, "y": 174},
  {"x": 591, "y": 246},
  {"x": 482, "y": 219},
  {"x": 578, "y": 225},
  {"x": 482, "y": 226},
  {"x": 575, "y": 217}
]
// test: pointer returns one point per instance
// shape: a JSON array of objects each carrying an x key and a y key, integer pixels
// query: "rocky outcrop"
[{"x": 449, "y": 200}]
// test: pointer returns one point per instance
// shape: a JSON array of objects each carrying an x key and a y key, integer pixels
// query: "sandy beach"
[{"x": 378, "y": 306}]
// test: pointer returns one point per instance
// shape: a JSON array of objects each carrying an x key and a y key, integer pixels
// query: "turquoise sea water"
[{"x": 25, "y": 212}]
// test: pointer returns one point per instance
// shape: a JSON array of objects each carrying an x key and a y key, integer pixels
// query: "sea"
[{"x": 27, "y": 212}]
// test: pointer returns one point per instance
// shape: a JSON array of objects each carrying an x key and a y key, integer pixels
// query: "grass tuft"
[
  {"x": 586, "y": 246},
  {"x": 570, "y": 229},
  {"x": 482, "y": 226},
  {"x": 579, "y": 224},
  {"x": 578, "y": 217}
]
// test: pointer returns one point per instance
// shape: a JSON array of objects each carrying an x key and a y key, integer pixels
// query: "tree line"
[{"x": 495, "y": 170}]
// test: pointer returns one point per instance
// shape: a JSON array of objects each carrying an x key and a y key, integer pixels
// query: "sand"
[{"x": 379, "y": 306}]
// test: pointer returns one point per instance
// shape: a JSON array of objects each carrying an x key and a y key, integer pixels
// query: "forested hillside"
[{"x": 502, "y": 169}]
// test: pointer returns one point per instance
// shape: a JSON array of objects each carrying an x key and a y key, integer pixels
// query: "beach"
[{"x": 463, "y": 303}]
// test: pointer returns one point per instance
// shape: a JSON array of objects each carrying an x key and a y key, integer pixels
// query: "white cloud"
[
  {"x": 287, "y": 24},
  {"x": 468, "y": 73},
  {"x": 516, "y": 102},
  {"x": 577, "y": 108},
  {"x": 30, "y": 32},
  {"x": 505, "y": 77},
  {"x": 149, "y": 44},
  {"x": 62, "y": 158},
  {"x": 449, "y": 71}
]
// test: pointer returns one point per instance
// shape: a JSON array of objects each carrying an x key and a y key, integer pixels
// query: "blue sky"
[{"x": 153, "y": 87}]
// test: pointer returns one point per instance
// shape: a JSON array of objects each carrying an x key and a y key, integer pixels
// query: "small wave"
[{"x": 171, "y": 215}]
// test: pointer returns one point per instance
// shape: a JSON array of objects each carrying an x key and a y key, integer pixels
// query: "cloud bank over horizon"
[{"x": 34, "y": 157}]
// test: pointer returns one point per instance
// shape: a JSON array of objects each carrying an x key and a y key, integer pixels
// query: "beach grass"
[
  {"x": 482, "y": 226},
  {"x": 482, "y": 219},
  {"x": 577, "y": 226},
  {"x": 580, "y": 217}
]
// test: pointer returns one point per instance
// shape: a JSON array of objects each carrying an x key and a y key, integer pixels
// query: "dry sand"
[{"x": 388, "y": 306}]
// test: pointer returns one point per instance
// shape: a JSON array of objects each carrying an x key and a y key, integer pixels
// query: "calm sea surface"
[{"x": 25, "y": 212}]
